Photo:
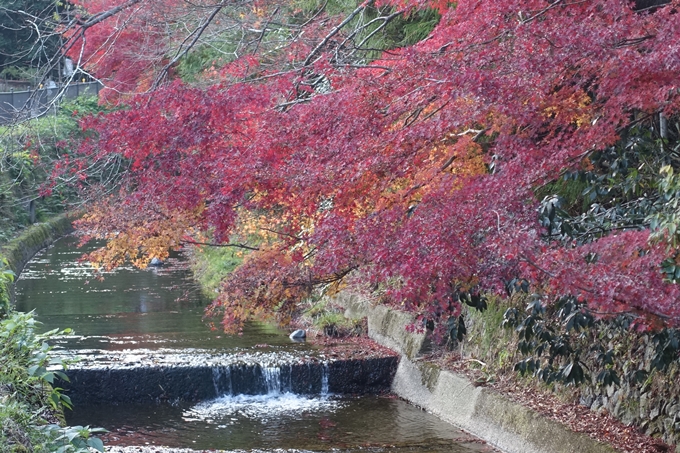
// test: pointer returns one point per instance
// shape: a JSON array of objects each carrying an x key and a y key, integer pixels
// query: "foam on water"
[{"x": 259, "y": 407}]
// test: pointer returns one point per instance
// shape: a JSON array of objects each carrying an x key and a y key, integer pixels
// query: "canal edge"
[
  {"x": 20, "y": 250},
  {"x": 481, "y": 411}
]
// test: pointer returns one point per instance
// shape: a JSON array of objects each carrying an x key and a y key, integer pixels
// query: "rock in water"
[
  {"x": 155, "y": 262},
  {"x": 298, "y": 335}
]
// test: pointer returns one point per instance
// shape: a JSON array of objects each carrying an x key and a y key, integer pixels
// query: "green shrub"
[
  {"x": 32, "y": 405},
  {"x": 6, "y": 279},
  {"x": 329, "y": 319}
]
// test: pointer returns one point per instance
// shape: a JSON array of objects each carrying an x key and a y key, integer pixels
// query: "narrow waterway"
[
  {"x": 160, "y": 307},
  {"x": 135, "y": 317}
]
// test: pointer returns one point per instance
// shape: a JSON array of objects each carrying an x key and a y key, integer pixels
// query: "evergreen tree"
[{"x": 28, "y": 41}]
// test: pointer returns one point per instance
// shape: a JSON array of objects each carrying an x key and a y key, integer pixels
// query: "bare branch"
[
  {"x": 212, "y": 244},
  {"x": 332, "y": 33},
  {"x": 100, "y": 17},
  {"x": 182, "y": 50}
]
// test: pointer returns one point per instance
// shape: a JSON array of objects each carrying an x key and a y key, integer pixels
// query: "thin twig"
[
  {"x": 332, "y": 33},
  {"x": 212, "y": 244}
]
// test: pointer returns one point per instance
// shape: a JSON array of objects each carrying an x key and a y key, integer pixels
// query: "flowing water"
[
  {"x": 134, "y": 316},
  {"x": 130, "y": 308}
]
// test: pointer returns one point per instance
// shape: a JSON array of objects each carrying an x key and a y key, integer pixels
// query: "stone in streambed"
[{"x": 298, "y": 335}]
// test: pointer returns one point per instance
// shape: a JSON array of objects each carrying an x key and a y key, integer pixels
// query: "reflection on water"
[
  {"x": 282, "y": 421},
  {"x": 159, "y": 307}
]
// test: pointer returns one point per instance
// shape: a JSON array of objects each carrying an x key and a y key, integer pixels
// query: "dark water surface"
[
  {"x": 130, "y": 308},
  {"x": 137, "y": 313},
  {"x": 286, "y": 421}
]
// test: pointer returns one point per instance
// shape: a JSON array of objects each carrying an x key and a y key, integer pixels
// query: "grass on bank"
[
  {"x": 211, "y": 265},
  {"x": 323, "y": 316}
]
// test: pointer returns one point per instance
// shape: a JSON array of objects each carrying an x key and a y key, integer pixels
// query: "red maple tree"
[{"x": 416, "y": 172}]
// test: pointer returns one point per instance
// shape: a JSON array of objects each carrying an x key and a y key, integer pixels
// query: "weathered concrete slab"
[
  {"x": 385, "y": 326},
  {"x": 480, "y": 411},
  {"x": 161, "y": 383},
  {"x": 487, "y": 414}
]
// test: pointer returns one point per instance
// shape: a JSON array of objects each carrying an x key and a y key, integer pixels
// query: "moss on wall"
[{"x": 21, "y": 249}]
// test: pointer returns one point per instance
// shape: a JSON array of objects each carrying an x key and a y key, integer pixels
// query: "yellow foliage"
[
  {"x": 575, "y": 108},
  {"x": 456, "y": 154},
  {"x": 134, "y": 237}
]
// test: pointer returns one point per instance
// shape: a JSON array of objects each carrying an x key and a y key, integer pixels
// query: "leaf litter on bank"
[{"x": 600, "y": 425}]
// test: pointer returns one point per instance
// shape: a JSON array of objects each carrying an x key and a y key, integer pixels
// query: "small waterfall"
[
  {"x": 261, "y": 379},
  {"x": 222, "y": 380},
  {"x": 325, "y": 371},
  {"x": 228, "y": 377},
  {"x": 272, "y": 379},
  {"x": 288, "y": 377},
  {"x": 310, "y": 381}
]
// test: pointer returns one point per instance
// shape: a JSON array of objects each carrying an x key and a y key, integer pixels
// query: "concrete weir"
[
  {"x": 478, "y": 410},
  {"x": 196, "y": 382}
]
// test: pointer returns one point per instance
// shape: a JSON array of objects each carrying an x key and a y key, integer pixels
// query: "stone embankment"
[
  {"x": 21, "y": 249},
  {"x": 478, "y": 410}
]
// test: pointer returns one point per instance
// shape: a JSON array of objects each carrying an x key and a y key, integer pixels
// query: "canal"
[{"x": 133, "y": 318}]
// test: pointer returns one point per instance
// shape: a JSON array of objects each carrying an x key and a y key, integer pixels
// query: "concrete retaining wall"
[
  {"x": 385, "y": 326},
  {"x": 480, "y": 411},
  {"x": 21, "y": 249}
]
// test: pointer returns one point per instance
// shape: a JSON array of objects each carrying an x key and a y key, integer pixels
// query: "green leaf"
[
  {"x": 95, "y": 443},
  {"x": 65, "y": 399},
  {"x": 72, "y": 434}
]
